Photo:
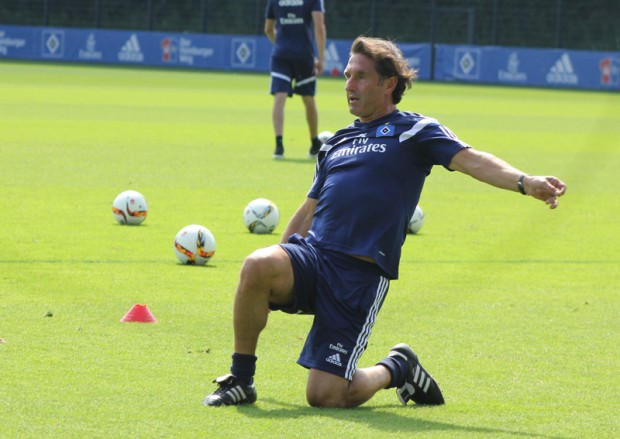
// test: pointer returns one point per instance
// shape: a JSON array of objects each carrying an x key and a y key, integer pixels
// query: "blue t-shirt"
[
  {"x": 368, "y": 182},
  {"x": 294, "y": 28}
]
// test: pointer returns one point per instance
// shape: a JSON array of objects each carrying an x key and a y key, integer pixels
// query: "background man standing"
[{"x": 290, "y": 24}]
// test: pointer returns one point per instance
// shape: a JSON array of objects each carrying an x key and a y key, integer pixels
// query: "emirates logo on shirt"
[{"x": 359, "y": 146}]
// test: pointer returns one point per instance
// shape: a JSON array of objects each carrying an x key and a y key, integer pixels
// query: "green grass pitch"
[{"x": 513, "y": 307}]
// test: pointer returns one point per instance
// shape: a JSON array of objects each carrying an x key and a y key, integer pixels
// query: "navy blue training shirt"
[
  {"x": 294, "y": 27},
  {"x": 368, "y": 181}
]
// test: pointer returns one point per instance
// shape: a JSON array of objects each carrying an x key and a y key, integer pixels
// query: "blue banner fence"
[{"x": 442, "y": 62}]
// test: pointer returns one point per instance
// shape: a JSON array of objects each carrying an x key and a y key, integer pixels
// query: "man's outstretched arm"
[{"x": 496, "y": 172}]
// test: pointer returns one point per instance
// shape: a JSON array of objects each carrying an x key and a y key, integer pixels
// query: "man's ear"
[{"x": 391, "y": 83}]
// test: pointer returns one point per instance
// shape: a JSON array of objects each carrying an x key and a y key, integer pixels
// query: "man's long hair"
[{"x": 389, "y": 61}]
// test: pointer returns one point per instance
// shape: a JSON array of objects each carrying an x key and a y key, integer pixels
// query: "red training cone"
[{"x": 139, "y": 313}]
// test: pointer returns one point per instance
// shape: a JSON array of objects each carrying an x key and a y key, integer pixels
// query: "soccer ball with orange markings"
[
  {"x": 194, "y": 245},
  {"x": 130, "y": 207}
]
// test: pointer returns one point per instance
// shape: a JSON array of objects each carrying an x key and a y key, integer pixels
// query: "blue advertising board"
[
  {"x": 134, "y": 48},
  {"x": 476, "y": 64},
  {"x": 532, "y": 67},
  {"x": 203, "y": 51}
]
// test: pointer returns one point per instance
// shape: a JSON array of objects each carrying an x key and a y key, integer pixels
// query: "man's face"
[{"x": 368, "y": 97}]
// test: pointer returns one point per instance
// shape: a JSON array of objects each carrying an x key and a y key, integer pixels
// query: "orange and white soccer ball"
[
  {"x": 130, "y": 207},
  {"x": 194, "y": 245}
]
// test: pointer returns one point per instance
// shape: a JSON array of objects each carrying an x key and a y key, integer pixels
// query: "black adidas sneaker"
[
  {"x": 230, "y": 392},
  {"x": 419, "y": 385}
]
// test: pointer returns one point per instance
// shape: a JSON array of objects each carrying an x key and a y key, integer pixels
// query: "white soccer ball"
[
  {"x": 261, "y": 216},
  {"x": 194, "y": 245},
  {"x": 324, "y": 136},
  {"x": 417, "y": 220},
  {"x": 130, "y": 207}
]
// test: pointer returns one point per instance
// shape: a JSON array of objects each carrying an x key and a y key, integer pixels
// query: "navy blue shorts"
[
  {"x": 344, "y": 294},
  {"x": 293, "y": 76}
]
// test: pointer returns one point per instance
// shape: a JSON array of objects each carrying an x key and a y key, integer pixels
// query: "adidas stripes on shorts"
[{"x": 345, "y": 295}]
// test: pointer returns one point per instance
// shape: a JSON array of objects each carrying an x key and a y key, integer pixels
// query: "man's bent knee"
[
  {"x": 327, "y": 390},
  {"x": 326, "y": 399},
  {"x": 270, "y": 270}
]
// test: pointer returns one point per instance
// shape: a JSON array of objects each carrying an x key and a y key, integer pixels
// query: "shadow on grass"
[{"x": 376, "y": 418}]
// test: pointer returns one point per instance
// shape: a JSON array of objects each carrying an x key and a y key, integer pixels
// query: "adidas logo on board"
[
  {"x": 130, "y": 51},
  {"x": 562, "y": 72}
]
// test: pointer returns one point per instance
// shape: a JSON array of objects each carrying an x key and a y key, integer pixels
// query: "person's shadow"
[{"x": 377, "y": 419}]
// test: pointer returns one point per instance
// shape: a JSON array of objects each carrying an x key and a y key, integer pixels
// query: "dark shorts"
[
  {"x": 344, "y": 294},
  {"x": 293, "y": 76}
]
